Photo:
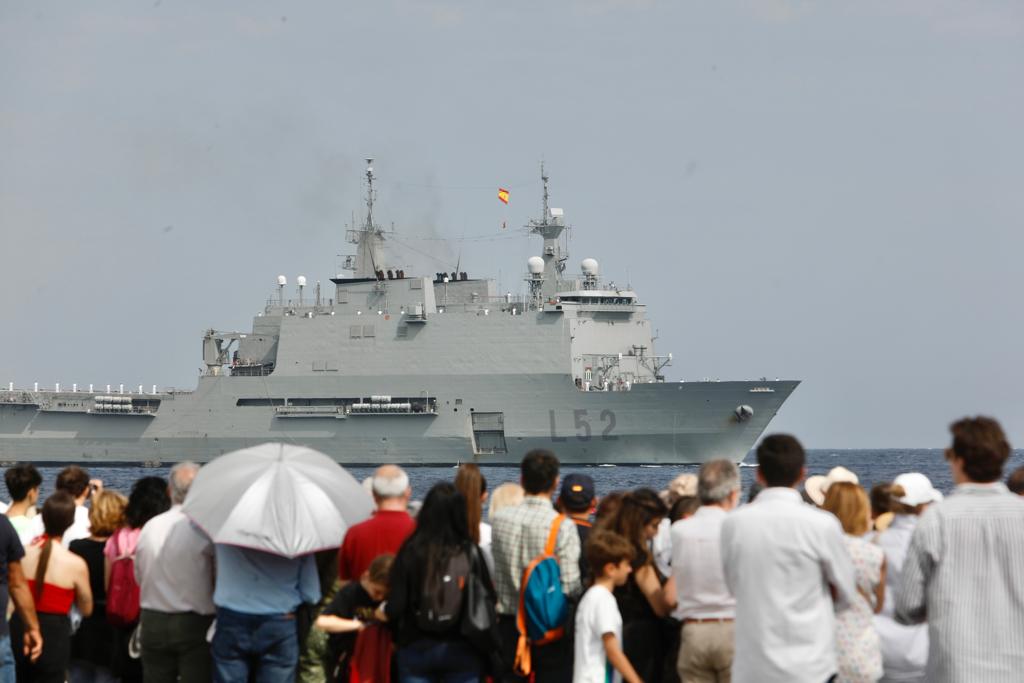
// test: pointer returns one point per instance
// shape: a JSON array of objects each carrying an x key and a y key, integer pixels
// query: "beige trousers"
[{"x": 705, "y": 653}]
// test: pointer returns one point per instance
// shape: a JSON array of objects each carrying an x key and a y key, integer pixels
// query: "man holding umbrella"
[
  {"x": 268, "y": 509},
  {"x": 256, "y": 596}
]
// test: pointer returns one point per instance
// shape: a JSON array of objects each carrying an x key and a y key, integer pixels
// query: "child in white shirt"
[{"x": 597, "y": 650}]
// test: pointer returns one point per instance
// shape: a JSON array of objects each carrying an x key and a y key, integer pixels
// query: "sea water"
[{"x": 871, "y": 466}]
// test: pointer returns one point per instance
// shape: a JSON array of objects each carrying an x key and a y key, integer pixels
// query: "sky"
[{"x": 829, "y": 192}]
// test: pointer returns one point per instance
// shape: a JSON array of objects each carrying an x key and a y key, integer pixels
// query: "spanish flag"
[{"x": 503, "y": 195}]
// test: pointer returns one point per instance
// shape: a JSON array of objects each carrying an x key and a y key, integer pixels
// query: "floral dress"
[{"x": 860, "y": 660}]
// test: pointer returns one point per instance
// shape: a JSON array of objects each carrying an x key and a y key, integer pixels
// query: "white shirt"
[
  {"x": 485, "y": 546},
  {"x": 174, "y": 565},
  {"x": 28, "y": 528},
  {"x": 697, "y": 566},
  {"x": 780, "y": 555},
  {"x": 80, "y": 528},
  {"x": 596, "y": 615},
  {"x": 904, "y": 648},
  {"x": 661, "y": 548}
]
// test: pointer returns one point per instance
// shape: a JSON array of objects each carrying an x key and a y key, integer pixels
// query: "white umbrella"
[{"x": 281, "y": 499}]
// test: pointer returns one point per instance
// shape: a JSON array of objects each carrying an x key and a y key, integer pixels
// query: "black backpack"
[{"x": 441, "y": 602}]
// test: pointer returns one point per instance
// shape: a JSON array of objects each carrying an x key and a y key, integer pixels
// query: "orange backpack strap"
[{"x": 556, "y": 525}]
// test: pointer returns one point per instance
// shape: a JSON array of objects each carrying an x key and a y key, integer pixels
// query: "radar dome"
[
  {"x": 282, "y": 280},
  {"x": 535, "y": 264},
  {"x": 589, "y": 266},
  {"x": 301, "y": 281}
]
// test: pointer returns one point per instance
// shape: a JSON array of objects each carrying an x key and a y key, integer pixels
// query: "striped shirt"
[
  {"x": 964, "y": 574},
  {"x": 518, "y": 534}
]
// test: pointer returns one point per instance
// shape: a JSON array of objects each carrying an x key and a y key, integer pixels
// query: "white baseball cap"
[{"x": 917, "y": 489}]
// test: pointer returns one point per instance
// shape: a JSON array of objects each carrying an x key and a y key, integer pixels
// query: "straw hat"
[
  {"x": 684, "y": 485},
  {"x": 816, "y": 486}
]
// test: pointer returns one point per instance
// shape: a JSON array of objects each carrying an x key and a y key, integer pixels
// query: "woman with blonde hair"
[
  {"x": 59, "y": 579},
  {"x": 90, "y": 646},
  {"x": 857, "y": 647}
]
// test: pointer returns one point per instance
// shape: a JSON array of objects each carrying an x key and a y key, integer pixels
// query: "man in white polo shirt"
[
  {"x": 174, "y": 568},
  {"x": 707, "y": 607},
  {"x": 785, "y": 561}
]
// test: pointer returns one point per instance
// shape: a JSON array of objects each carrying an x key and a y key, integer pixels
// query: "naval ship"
[{"x": 412, "y": 369}]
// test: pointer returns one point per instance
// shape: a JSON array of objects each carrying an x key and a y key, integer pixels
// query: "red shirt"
[{"x": 383, "y": 533}]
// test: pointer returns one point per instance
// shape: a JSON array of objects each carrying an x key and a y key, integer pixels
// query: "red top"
[
  {"x": 382, "y": 533},
  {"x": 54, "y": 600}
]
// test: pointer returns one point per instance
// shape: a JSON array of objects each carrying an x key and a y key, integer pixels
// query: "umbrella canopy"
[{"x": 281, "y": 499}]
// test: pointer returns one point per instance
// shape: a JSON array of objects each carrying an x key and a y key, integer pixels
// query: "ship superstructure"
[{"x": 437, "y": 369}]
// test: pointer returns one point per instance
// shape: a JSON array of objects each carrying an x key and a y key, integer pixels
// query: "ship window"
[
  {"x": 416, "y": 284},
  {"x": 260, "y": 402},
  {"x": 368, "y": 331},
  {"x": 342, "y": 297},
  {"x": 319, "y": 365},
  {"x": 355, "y": 331},
  {"x": 458, "y": 401}
]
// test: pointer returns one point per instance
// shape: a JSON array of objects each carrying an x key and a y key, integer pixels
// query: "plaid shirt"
[{"x": 519, "y": 534}]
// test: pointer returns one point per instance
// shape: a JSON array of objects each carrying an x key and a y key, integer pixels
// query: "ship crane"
[{"x": 217, "y": 349}]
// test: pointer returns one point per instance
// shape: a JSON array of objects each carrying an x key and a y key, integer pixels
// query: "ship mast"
[
  {"x": 550, "y": 227},
  {"x": 368, "y": 238}
]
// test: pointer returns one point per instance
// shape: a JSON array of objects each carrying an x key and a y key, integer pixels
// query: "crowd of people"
[{"x": 810, "y": 579}]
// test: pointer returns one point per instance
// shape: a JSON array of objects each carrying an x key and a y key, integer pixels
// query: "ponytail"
[{"x": 44, "y": 561}]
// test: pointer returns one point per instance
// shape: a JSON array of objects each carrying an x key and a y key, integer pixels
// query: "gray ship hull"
[{"x": 656, "y": 423}]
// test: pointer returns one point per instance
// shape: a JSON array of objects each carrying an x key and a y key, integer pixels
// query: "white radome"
[
  {"x": 535, "y": 264},
  {"x": 589, "y": 266},
  {"x": 282, "y": 280}
]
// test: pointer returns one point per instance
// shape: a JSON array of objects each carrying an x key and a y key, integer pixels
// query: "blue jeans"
[
  {"x": 7, "y": 674},
  {"x": 263, "y": 648},
  {"x": 439, "y": 661}
]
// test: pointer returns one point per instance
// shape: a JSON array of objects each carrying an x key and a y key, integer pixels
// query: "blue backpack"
[{"x": 543, "y": 608}]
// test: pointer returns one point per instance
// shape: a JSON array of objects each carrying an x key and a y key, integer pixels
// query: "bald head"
[
  {"x": 181, "y": 478},
  {"x": 390, "y": 482}
]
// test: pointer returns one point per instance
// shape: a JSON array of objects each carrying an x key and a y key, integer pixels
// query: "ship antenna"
[
  {"x": 544, "y": 180},
  {"x": 369, "y": 193},
  {"x": 369, "y": 209}
]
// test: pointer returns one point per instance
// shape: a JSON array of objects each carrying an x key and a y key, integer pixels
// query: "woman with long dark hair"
[
  {"x": 426, "y": 580},
  {"x": 59, "y": 579},
  {"x": 646, "y": 598},
  {"x": 149, "y": 498}
]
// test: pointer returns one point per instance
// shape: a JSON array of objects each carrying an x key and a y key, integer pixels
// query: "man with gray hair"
[
  {"x": 706, "y": 606},
  {"x": 385, "y": 531},
  {"x": 175, "y": 571}
]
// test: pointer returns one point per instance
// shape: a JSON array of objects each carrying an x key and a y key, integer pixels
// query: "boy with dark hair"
[
  {"x": 23, "y": 482},
  {"x": 598, "y": 651},
  {"x": 353, "y": 609}
]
